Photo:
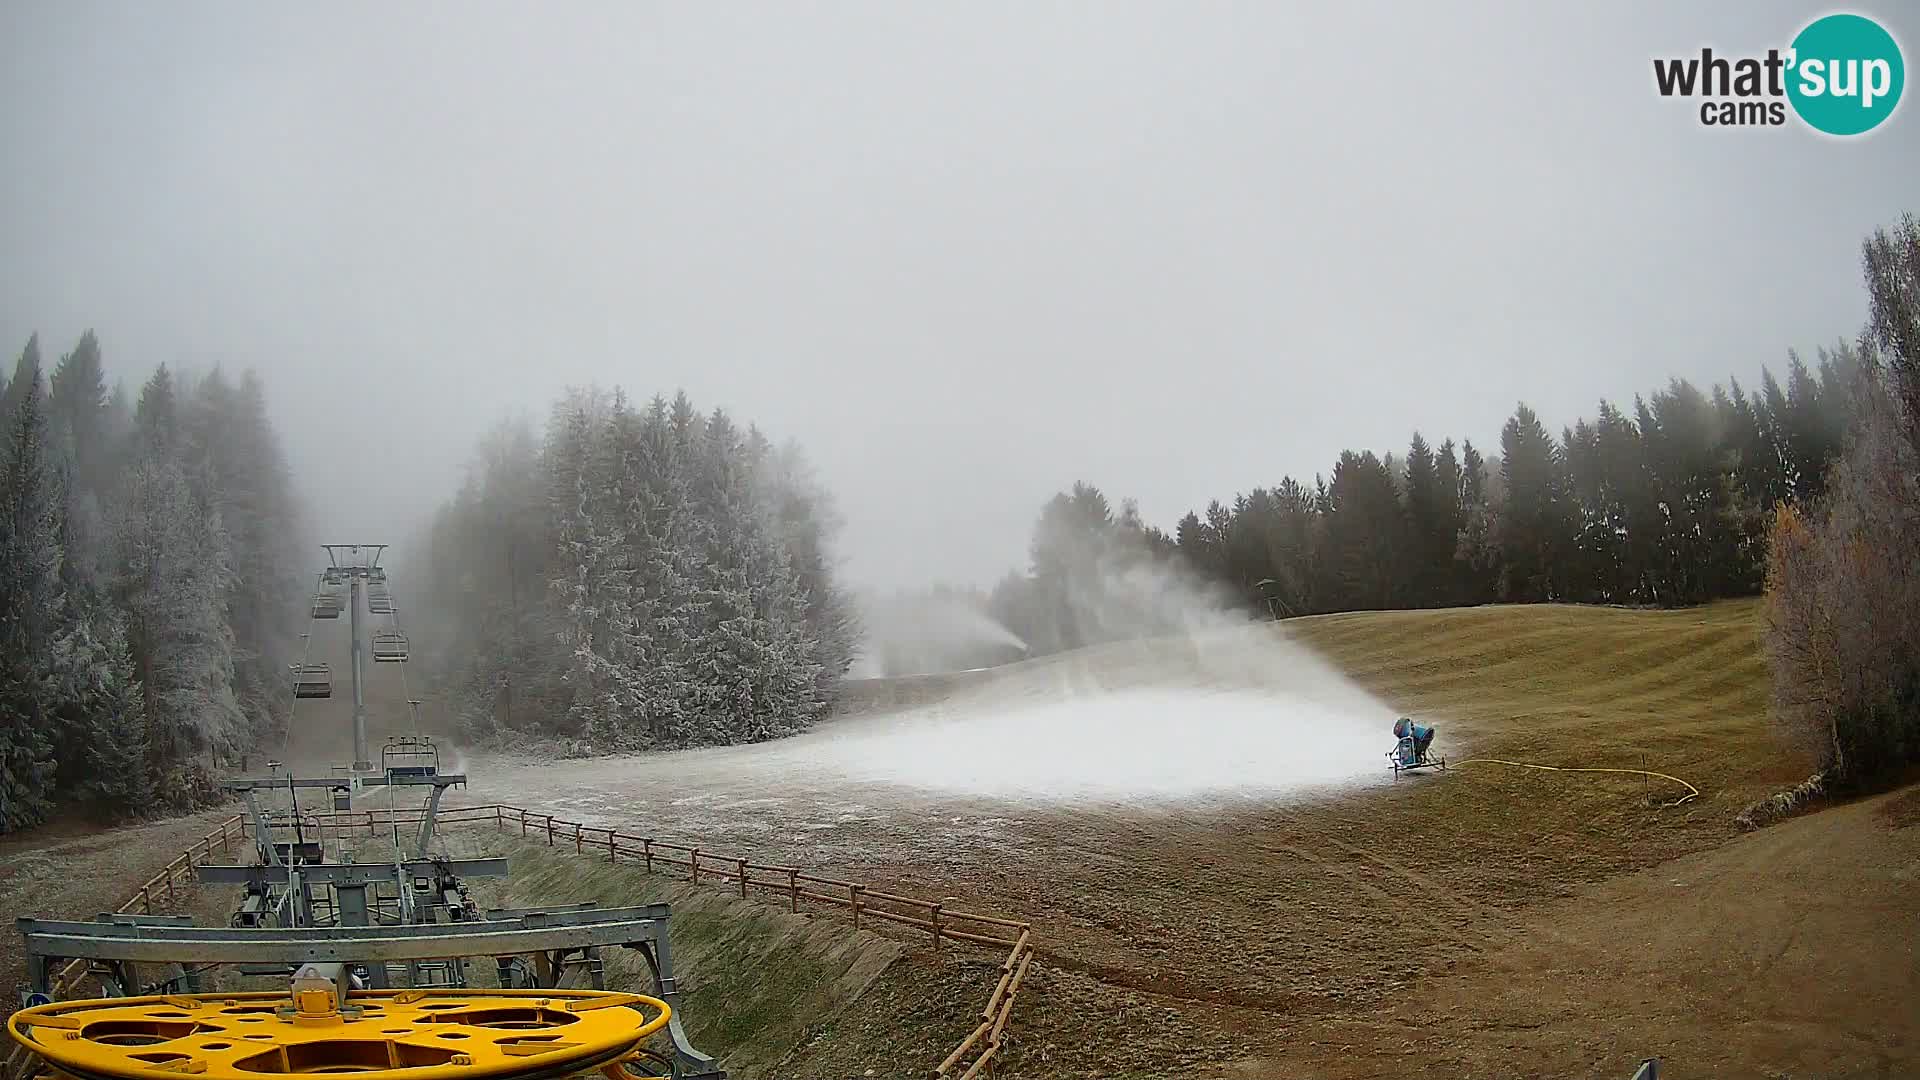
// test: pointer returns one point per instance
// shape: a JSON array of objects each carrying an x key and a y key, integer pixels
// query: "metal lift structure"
[
  {"x": 362, "y": 928},
  {"x": 409, "y": 884},
  {"x": 351, "y": 571},
  {"x": 371, "y": 939}
]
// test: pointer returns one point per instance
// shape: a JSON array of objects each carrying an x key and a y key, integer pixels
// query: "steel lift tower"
[{"x": 356, "y": 566}]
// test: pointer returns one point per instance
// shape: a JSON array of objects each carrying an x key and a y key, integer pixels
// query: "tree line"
[
  {"x": 1809, "y": 493},
  {"x": 145, "y": 580},
  {"x": 1665, "y": 503},
  {"x": 1842, "y": 631},
  {"x": 637, "y": 576}
]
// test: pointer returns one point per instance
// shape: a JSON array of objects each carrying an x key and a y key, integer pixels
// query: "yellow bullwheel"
[{"x": 383, "y": 1034}]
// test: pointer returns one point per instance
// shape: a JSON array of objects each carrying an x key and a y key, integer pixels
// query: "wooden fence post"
[
  {"x": 793, "y": 888},
  {"x": 523, "y": 823},
  {"x": 576, "y": 838},
  {"x": 646, "y": 850},
  {"x": 855, "y": 890},
  {"x": 936, "y": 931},
  {"x": 742, "y": 865},
  {"x": 693, "y": 863},
  {"x": 549, "y": 830},
  {"x": 499, "y": 818},
  {"x": 613, "y": 853},
  {"x": 146, "y": 901}
]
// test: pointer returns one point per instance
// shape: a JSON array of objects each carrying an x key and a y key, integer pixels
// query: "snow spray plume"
[{"x": 924, "y": 631}]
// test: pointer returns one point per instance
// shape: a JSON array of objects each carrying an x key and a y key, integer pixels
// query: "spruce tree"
[
  {"x": 30, "y": 599},
  {"x": 103, "y": 761},
  {"x": 1366, "y": 532},
  {"x": 1430, "y": 535},
  {"x": 26, "y": 370},
  {"x": 1533, "y": 520}
]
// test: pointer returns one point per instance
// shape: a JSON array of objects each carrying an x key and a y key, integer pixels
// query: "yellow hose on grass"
[{"x": 1692, "y": 792}]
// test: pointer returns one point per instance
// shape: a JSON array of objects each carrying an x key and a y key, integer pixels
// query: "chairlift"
[
  {"x": 389, "y": 647},
  {"x": 312, "y": 681},
  {"x": 326, "y": 606},
  {"x": 380, "y": 605},
  {"x": 377, "y": 573},
  {"x": 332, "y": 576}
]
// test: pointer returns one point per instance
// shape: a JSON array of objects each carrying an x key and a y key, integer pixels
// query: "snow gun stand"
[{"x": 1405, "y": 758}]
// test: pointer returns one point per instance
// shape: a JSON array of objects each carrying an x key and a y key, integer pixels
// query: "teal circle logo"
[{"x": 1846, "y": 75}]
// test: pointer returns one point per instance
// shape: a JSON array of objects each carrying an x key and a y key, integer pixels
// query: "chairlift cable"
[
  {"x": 406, "y": 693},
  {"x": 306, "y": 653}
]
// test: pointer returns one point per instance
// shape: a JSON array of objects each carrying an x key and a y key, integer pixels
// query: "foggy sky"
[{"x": 966, "y": 254}]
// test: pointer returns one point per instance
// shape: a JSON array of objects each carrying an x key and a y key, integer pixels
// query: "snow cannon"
[{"x": 1413, "y": 749}]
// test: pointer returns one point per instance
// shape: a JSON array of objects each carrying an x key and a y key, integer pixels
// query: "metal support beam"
[
  {"x": 517, "y": 913},
  {"x": 262, "y": 832},
  {"x": 351, "y": 874},
  {"x": 395, "y": 779},
  {"x": 430, "y": 941},
  {"x": 361, "y": 763},
  {"x": 257, "y": 783},
  {"x": 425, "y": 837}
]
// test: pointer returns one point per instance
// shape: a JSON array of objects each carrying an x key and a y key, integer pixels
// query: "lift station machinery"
[{"x": 357, "y": 952}]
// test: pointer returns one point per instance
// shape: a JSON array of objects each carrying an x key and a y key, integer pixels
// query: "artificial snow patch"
[{"x": 1141, "y": 744}]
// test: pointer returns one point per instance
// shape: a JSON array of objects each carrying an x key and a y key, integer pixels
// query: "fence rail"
[
  {"x": 179, "y": 871},
  {"x": 941, "y": 923},
  {"x": 702, "y": 865}
]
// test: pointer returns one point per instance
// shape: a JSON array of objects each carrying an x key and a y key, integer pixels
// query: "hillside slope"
[
  {"x": 1484, "y": 921},
  {"x": 1246, "y": 918}
]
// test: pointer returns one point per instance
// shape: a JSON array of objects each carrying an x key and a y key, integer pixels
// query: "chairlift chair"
[
  {"x": 389, "y": 647},
  {"x": 377, "y": 573},
  {"x": 410, "y": 755},
  {"x": 312, "y": 681},
  {"x": 326, "y": 606}
]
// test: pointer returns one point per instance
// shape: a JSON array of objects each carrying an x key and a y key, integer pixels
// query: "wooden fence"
[
  {"x": 942, "y": 924},
  {"x": 156, "y": 888}
]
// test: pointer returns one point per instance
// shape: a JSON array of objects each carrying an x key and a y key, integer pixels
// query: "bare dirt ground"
[
  {"x": 1486, "y": 921},
  {"x": 75, "y": 871}
]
